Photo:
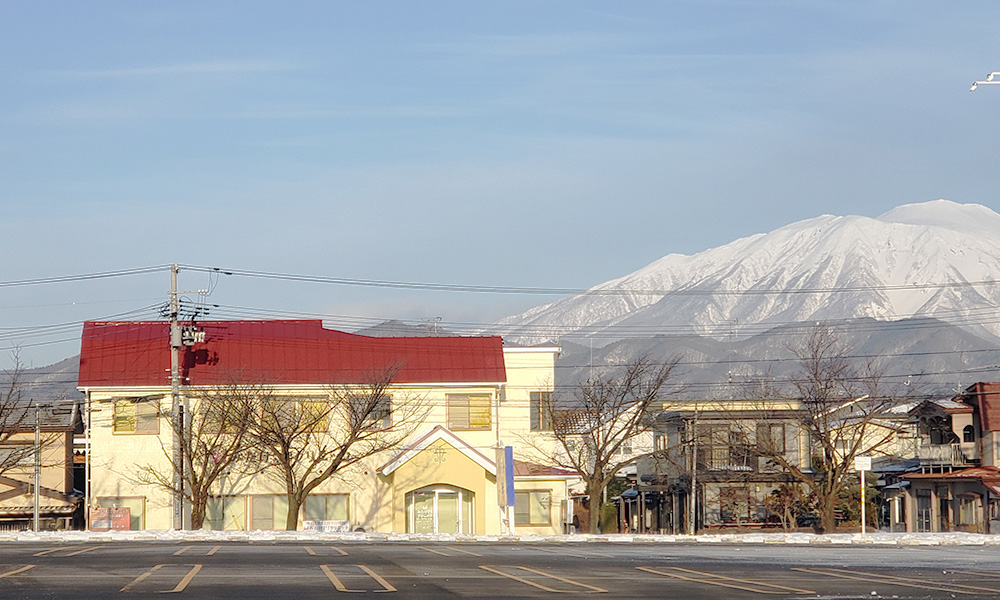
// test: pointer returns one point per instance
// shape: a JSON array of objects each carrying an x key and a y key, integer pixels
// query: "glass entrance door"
[{"x": 439, "y": 509}]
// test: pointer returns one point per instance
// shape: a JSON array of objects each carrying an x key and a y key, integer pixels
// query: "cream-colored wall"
[
  {"x": 374, "y": 499},
  {"x": 56, "y": 471}
]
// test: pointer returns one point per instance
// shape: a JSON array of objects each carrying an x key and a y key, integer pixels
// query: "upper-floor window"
[
  {"x": 968, "y": 434},
  {"x": 292, "y": 413},
  {"x": 771, "y": 438},
  {"x": 136, "y": 415},
  {"x": 370, "y": 412},
  {"x": 541, "y": 411},
  {"x": 469, "y": 411}
]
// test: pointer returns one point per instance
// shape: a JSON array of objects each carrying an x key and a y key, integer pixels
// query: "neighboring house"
[
  {"x": 58, "y": 421},
  {"x": 442, "y": 479},
  {"x": 732, "y": 480},
  {"x": 954, "y": 483}
]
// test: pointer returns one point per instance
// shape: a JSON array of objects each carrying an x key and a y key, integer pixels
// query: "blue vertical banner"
[
  {"x": 508, "y": 460},
  {"x": 505, "y": 476}
]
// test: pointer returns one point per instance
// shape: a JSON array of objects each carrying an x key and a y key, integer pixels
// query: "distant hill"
[{"x": 52, "y": 382}]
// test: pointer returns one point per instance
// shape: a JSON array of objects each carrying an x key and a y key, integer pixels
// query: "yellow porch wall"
[{"x": 442, "y": 464}]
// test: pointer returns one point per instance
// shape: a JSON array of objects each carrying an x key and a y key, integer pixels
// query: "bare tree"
[
  {"x": 15, "y": 418},
  {"x": 213, "y": 442},
  {"x": 308, "y": 440},
  {"x": 841, "y": 409},
  {"x": 599, "y": 419}
]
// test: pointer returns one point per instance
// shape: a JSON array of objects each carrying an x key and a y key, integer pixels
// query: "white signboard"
[
  {"x": 862, "y": 462},
  {"x": 327, "y": 526}
]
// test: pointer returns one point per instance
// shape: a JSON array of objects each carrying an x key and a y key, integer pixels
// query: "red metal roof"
[{"x": 137, "y": 353}]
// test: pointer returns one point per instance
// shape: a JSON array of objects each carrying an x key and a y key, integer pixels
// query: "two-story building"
[
  {"x": 711, "y": 446},
  {"x": 50, "y": 451},
  {"x": 476, "y": 395},
  {"x": 955, "y": 480}
]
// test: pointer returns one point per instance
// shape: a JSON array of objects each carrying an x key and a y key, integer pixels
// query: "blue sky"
[{"x": 541, "y": 143}]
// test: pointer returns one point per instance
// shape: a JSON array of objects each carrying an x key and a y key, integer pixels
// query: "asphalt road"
[{"x": 494, "y": 570}]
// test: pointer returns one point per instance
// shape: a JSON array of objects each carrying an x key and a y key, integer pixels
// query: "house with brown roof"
[
  {"x": 957, "y": 483},
  {"x": 50, "y": 451},
  {"x": 447, "y": 475}
]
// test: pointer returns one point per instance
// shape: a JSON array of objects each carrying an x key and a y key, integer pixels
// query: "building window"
[
  {"x": 136, "y": 415},
  {"x": 297, "y": 414},
  {"x": 469, "y": 411},
  {"x": 226, "y": 513},
  {"x": 968, "y": 434},
  {"x": 968, "y": 510},
  {"x": 541, "y": 411},
  {"x": 321, "y": 509},
  {"x": 771, "y": 438},
  {"x": 532, "y": 508},
  {"x": 370, "y": 413},
  {"x": 268, "y": 513}
]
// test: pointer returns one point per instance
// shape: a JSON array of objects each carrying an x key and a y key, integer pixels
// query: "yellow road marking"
[
  {"x": 387, "y": 587},
  {"x": 140, "y": 578},
  {"x": 463, "y": 551},
  {"x": 336, "y": 582},
  {"x": 187, "y": 579},
  {"x": 433, "y": 550},
  {"x": 16, "y": 571},
  {"x": 543, "y": 574},
  {"x": 521, "y": 579},
  {"x": 563, "y": 579},
  {"x": 378, "y": 578},
  {"x": 183, "y": 550},
  {"x": 310, "y": 551},
  {"x": 342, "y": 553},
  {"x": 729, "y": 582},
  {"x": 575, "y": 554},
  {"x": 893, "y": 580},
  {"x": 82, "y": 551},
  {"x": 979, "y": 573},
  {"x": 49, "y": 551},
  {"x": 213, "y": 551}
]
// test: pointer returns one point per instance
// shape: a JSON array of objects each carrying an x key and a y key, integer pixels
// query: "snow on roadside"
[{"x": 871, "y": 539}]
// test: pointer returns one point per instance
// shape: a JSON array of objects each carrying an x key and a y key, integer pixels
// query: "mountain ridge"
[{"x": 916, "y": 260}]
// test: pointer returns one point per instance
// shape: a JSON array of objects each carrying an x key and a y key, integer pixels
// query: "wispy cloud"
[{"x": 197, "y": 68}]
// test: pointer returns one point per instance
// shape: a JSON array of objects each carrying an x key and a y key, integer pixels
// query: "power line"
[
  {"x": 594, "y": 291},
  {"x": 83, "y": 277}
]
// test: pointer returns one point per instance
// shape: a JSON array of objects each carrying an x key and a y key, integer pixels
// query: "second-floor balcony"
[{"x": 942, "y": 455}]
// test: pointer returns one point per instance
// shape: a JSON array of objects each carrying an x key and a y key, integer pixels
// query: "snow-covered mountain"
[{"x": 917, "y": 260}]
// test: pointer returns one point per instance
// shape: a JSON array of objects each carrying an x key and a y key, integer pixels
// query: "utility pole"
[
  {"x": 38, "y": 464},
  {"x": 693, "y": 512},
  {"x": 175, "y": 401}
]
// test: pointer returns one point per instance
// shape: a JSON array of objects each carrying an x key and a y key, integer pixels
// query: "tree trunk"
[
  {"x": 292, "y": 519},
  {"x": 827, "y": 518},
  {"x": 199, "y": 506},
  {"x": 595, "y": 492}
]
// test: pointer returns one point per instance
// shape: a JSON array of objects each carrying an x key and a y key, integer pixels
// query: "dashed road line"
[
  {"x": 574, "y": 554},
  {"x": 310, "y": 551},
  {"x": 177, "y": 589},
  {"x": 183, "y": 550},
  {"x": 140, "y": 578},
  {"x": 469, "y": 552},
  {"x": 16, "y": 571},
  {"x": 337, "y": 583},
  {"x": 747, "y": 585},
  {"x": 540, "y": 586},
  {"x": 954, "y": 588},
  {"x": 187, "y": 579},
  {"x": 438, "y": 552}
]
